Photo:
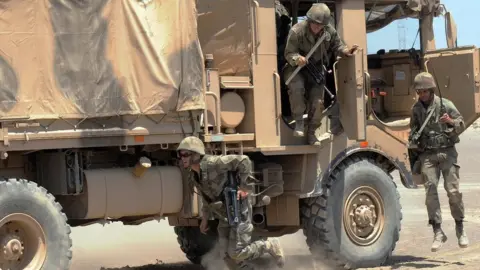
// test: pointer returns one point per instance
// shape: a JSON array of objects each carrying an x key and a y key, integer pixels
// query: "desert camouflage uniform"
[
  {"x": 299, "y": 42},
  {"x": 439, "y": 155},
  {"x": 237, "y": 240}
]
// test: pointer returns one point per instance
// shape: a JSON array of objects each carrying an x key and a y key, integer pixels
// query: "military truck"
[{"x": 96, "y": 95}]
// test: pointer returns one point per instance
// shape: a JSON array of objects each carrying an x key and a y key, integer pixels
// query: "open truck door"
[
  {"x": 457, "y": 73},
  {"x": 350, "y": 83}
]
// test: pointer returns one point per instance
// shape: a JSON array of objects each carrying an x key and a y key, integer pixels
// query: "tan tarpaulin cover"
[
  {"x": 383, "y": 13},
  {"x": 92, "y": 58},
  {"x": 224, "y": 29}
]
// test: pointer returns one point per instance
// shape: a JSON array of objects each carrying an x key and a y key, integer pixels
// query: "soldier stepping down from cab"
[
  {"x": 209, "y": 175},
  {"x": 302, "y": 38},
  {"x": 434, "y": 128}
]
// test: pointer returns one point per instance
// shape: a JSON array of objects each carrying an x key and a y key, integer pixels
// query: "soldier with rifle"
[
  {"x": 435, "y": 125},
  {"x": 210, "y": 175},
  {"x": 311, "y": 43}
]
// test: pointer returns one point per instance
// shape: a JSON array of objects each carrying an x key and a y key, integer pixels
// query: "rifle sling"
[{"x": 426, "y": 121}]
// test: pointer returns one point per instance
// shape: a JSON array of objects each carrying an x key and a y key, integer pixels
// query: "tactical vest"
[{"x": 435, "y": 135}]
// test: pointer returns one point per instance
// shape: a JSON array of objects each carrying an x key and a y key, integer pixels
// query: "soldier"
[
  {"x": 300, "y": 41},
  {"x": 436, "y": 143},
  {"x": 209, "y": 175}
]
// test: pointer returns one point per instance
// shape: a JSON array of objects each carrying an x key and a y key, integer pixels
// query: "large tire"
[
  {"x": 194, "y": 243},
  {"x": 325, "y": 225},
  {"x": 27, "y": 210}
]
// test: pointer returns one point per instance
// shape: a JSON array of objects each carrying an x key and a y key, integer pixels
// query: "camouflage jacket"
[
  {"x": 301, "y": 40},
  {"x": 434, "y": 126},
  {"x": 213, "y": 177}
]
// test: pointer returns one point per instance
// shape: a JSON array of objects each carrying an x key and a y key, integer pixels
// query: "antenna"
[{"x": 402, "y": 33}]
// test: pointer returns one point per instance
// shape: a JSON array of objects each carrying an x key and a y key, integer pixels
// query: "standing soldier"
[
  {"x": 300, "y": 41},
  {"x": 209, "y": 175},
  {"x": 436, "y": 141}
]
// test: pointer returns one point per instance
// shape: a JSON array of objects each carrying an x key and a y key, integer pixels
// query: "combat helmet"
[
  {"x": 424, "y": 80},
  {"x": 193, "y": 144},
  {"x": 319, "y": 13}
]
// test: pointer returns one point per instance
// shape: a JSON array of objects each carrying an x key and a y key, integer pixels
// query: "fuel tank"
[{"x": 117, "y": 192}]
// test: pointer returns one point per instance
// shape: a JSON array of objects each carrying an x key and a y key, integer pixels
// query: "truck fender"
[{"x": 356, "y": 149}]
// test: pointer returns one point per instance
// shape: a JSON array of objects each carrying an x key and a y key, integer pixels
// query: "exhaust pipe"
[{"x": 258, "y": 217}]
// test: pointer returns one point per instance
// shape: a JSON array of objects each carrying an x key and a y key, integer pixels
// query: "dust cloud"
[{"x": 214, "y": 261}]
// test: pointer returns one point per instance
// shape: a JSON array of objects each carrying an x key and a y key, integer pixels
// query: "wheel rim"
[
  {"x": 363, "y": 216},
  {"x": 22, "y": 243}
]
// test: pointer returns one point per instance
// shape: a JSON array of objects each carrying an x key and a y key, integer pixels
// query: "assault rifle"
[
  {"x": 443, "y": 110},
  {"x": 231, "y": 203},
  {"x": 319, "y": 76}
]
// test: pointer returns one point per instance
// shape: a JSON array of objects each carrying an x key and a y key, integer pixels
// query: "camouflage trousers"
[
  {"x": 442, "y": 161},
  {"x": 300, "y": 99},
  {"x": 237, "y": 241}
]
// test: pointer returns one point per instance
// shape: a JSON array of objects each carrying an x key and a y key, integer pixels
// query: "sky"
[{"x": 466, "y": 14}]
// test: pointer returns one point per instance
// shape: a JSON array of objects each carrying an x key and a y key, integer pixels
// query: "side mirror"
[{"x": 450, "y": 30}]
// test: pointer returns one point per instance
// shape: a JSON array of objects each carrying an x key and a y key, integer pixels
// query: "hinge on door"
[{"x": 4, "y": 135}]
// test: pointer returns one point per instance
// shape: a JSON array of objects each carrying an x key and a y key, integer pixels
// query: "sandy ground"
[{"x": 153, "y": 245}]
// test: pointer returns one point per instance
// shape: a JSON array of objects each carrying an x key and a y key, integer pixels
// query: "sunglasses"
[{"x": 184, "y": 154}]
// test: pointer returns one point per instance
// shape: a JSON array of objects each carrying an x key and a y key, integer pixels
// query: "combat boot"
[
  {"x": 314, "y": 140},
  {"x": 461, "y": 234},
  {"x": 312, "y": 137},
  {"x": 439, "y": 238},
  {"x": 299, "y": 128},
  {"x": 275, "y": 250}
]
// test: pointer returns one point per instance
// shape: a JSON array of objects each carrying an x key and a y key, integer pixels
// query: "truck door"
[
  {"x": 350, "y": 84},
  {"x": 457, "y": 73}
]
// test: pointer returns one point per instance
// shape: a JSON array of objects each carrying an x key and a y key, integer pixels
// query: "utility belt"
[{"x": 439, "y": 141}]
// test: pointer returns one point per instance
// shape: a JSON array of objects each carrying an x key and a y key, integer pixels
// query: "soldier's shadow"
[{"x": 395, "y": 262}]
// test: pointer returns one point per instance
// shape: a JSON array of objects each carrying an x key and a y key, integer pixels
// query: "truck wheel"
[
  {"x": 34, "y": 233},
  {"x": 356, "y": 221},
  {"x": 194, "y": 243}
]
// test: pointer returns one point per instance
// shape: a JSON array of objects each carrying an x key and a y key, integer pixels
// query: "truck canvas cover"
[
  {"x": 382, "y": 14},
  {"x": 98, "y": 58}
]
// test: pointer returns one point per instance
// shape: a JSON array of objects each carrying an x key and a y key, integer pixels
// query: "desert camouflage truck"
[{"x": 96, "y": 95}]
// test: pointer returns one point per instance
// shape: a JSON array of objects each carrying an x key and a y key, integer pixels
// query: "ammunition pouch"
[{"x": 437, "y": 141}]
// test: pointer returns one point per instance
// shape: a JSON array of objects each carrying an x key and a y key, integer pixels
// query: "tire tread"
[{"x": 317, "y": 233}]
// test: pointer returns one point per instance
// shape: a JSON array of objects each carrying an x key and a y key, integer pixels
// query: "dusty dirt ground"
[{"x": 153, "y": 245}]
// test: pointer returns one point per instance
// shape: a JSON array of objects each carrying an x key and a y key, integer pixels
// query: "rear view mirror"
[{"x": 450, "y": 30}]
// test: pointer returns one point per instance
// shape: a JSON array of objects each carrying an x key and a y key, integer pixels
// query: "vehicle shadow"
[
  {"x": 301, "y": 262},
  {"x": 160, "y": 266}
]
